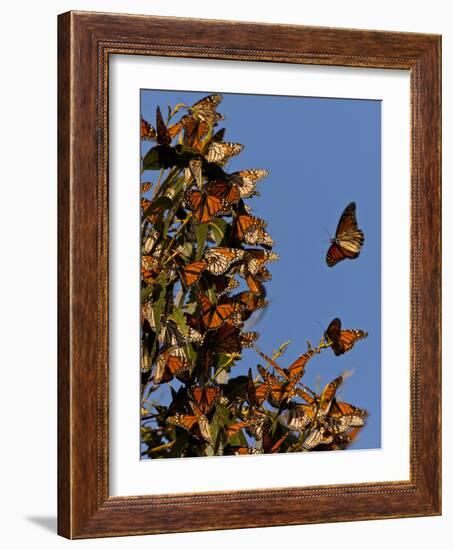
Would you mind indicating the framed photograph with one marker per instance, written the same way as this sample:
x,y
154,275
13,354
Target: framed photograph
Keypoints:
x,y
249,275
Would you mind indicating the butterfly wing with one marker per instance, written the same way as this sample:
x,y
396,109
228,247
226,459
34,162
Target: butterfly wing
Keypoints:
x,y
191,273
163,135
343,340
204,206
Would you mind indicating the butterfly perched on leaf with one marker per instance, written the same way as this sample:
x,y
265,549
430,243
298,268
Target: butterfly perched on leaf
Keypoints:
x,y
191,273
348,239
205,204
161,134
342,340
196,424
204,397
251,230
172,362
222,152
214,315
246,180
229,339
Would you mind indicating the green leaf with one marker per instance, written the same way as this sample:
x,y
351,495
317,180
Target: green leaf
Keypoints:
x,y
218,227
178,317
159,157
159,302
201,232
179,445
145,292
161,203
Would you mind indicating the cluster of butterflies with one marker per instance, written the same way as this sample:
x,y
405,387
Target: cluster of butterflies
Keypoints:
x,y
321,421
188,336
211,317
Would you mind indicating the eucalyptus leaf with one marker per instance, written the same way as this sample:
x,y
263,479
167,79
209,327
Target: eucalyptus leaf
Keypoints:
x,y
201,232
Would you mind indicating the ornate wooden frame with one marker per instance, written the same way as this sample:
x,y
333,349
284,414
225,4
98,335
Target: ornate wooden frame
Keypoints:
x,y
85,42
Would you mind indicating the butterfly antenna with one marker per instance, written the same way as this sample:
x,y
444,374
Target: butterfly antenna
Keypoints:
x,y
323,328
329,235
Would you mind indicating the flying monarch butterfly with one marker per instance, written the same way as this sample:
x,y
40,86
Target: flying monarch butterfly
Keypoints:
x,y
204,397
348,238
246,180
191,273
172,362
221,152
342,340
220,259
214,316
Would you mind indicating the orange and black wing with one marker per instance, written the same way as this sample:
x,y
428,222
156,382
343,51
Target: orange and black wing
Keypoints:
x,y
204,206
342,340
191,273
348,239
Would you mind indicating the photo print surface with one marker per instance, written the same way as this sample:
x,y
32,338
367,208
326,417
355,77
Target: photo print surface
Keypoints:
x,y
260,274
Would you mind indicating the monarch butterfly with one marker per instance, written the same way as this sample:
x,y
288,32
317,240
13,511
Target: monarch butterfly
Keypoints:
x,y
295,370
251,230
204,397
249,302
343,416
317,436
348,238
145,187
204,206
207,204
256,258
197,424
327,395
300,416
172,336
342,340
224,284
214,316
277,391
195,172
221,152
162,135
172,362
191,273
204,108
220,259
229,339
246,180
255,425
225,191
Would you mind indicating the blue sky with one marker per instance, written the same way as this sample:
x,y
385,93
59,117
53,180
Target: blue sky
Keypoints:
x,y
322,154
